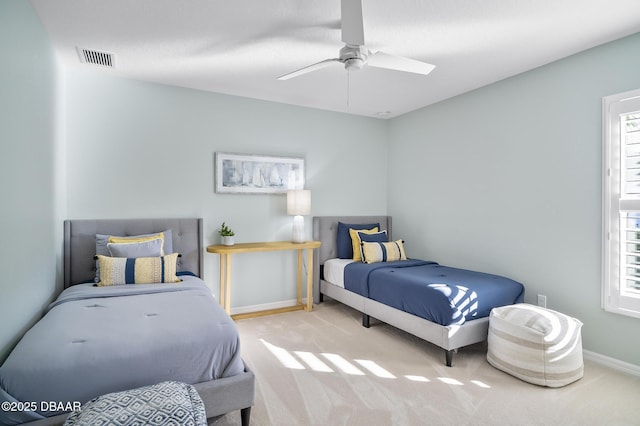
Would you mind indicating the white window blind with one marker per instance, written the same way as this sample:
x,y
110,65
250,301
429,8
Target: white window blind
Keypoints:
x,y
621,209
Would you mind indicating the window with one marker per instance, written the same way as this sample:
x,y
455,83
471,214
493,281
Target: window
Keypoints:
x,y
621,204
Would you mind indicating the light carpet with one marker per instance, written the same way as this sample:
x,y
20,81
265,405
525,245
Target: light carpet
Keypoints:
x,y
324,368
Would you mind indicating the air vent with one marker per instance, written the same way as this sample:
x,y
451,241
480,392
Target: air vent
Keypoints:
x,y
88,56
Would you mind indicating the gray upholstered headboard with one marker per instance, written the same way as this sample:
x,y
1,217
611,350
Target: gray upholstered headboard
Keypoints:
x,y
80,243
325,229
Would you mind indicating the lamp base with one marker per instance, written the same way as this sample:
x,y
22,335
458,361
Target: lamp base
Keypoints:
x,y
298,235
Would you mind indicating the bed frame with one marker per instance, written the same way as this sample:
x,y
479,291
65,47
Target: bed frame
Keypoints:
x,y
450,338
220,396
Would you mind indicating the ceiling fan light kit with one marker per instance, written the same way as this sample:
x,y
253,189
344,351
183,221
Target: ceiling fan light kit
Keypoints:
x,y
355,55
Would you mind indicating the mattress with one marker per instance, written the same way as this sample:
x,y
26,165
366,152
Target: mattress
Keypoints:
x,y
333,271
441,294
98,340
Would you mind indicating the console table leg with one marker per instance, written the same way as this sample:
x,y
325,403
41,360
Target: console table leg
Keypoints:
x,y
228,284
299,293
222,280
309,280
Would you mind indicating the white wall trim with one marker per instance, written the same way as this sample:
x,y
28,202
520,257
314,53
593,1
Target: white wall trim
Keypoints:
x,y
616,364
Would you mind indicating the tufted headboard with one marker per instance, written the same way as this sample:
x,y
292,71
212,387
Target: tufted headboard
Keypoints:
x,y
80,243
325,229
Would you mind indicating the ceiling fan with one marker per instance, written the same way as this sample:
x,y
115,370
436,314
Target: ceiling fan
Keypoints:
x,y
355,55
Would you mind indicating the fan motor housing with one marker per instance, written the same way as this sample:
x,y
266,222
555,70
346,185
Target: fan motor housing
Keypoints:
x,y
353,57
353,64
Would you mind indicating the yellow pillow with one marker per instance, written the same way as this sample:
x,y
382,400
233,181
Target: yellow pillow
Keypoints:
x,y
141,270
120,240
355,241
383,252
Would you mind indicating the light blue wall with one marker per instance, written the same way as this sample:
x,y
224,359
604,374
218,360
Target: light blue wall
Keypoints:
x,y
30,171
504,179
138,149
507,179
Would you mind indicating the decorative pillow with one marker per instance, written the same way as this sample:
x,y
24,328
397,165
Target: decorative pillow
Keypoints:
x,y
383,252
151,248
355,241
102,240
343,239
143,270
165,403
374,237
137,239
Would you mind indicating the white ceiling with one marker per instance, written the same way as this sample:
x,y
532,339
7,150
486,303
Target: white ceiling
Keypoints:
x,y
239,47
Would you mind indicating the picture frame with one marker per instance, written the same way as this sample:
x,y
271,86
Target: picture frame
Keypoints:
x,y
257,174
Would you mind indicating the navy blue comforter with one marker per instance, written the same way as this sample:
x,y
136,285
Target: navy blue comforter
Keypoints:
x,y
444,295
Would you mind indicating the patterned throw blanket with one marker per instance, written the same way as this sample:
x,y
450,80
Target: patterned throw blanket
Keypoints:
x,y
167,403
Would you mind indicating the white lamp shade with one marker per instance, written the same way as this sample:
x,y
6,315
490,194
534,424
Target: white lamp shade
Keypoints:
x,y
299,202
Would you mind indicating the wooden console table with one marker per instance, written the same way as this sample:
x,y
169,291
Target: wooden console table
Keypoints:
x,y
225,253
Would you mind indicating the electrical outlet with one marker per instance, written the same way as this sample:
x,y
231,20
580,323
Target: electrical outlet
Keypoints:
x,y
542,300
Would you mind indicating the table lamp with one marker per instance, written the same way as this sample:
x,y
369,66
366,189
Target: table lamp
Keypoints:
x,y
298,204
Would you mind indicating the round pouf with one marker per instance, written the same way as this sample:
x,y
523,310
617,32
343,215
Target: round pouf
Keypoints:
x,y
535,344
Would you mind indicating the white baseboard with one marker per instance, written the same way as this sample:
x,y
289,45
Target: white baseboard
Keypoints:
x,y
265,306
613,363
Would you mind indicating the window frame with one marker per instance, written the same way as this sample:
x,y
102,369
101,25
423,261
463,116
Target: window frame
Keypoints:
x,y
614,298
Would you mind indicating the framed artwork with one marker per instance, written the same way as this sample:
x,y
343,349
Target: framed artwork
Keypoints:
x,y
257,174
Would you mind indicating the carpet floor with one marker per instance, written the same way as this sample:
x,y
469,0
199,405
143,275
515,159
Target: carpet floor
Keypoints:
x,y
324,368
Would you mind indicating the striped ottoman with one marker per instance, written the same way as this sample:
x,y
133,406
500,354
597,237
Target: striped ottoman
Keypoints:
x,y
535,344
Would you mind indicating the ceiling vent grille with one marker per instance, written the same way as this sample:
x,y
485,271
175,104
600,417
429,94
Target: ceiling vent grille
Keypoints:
x,y
88,56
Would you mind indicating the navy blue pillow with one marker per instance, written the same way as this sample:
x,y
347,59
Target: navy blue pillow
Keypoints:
x,y
343,241
378,237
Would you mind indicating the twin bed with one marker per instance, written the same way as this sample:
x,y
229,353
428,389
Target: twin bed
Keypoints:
x,y
95,340
448,307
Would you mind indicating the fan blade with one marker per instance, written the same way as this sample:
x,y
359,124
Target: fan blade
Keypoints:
x,y
398,63
352,26
307,69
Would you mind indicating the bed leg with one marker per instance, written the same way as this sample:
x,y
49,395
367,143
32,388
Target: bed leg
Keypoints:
x,y
245,416
449,356
321,298
365,320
